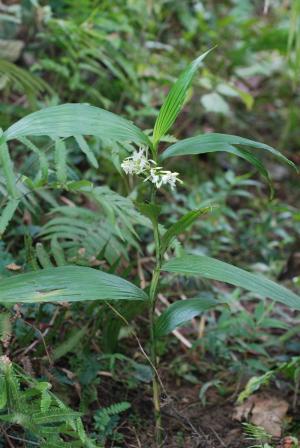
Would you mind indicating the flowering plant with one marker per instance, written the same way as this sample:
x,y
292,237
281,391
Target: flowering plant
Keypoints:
x,y
140,165
75,283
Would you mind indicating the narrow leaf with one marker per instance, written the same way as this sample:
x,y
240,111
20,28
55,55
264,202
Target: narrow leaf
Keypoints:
x,y
57,252
43,256
218,270
180,312
67,283
213,142
61,161
7,214
86,150
175,99
8,170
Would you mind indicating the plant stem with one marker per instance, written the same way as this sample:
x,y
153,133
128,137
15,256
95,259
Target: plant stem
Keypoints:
x,y
153,353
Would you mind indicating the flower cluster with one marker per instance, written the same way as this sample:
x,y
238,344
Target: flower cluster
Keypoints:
x,y
139,164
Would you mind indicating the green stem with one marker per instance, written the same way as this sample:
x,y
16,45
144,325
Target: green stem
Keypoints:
x,y
153,348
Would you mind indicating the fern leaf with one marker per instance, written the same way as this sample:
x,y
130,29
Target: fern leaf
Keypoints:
x,y
43,256
54,416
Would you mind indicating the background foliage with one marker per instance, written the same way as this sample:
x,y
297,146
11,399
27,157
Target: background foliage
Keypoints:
x,y
76,208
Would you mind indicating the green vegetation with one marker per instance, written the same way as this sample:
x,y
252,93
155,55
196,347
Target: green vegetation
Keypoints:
x,y
135,176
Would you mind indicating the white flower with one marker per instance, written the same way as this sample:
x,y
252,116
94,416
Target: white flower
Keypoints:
x,y
155,177
137,163
128,166
170,178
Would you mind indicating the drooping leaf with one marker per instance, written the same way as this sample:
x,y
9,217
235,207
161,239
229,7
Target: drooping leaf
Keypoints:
x,y
218,270
214,142
175,99
180,226
67,283
180,312
75,119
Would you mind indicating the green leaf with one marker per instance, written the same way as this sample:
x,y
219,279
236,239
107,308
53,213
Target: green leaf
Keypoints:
x,y
175,99
213,142
61,161
7,166
3,392
75,119
180,312
180,226
43,256
54,416
86,150
67,283
7,214
218,270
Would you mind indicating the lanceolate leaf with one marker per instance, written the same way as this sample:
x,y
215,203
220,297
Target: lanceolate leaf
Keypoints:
x,y
175,99
180,312
7,214
86,150
67,283
180,226
76,119
202,144
218,270
7,166
61,161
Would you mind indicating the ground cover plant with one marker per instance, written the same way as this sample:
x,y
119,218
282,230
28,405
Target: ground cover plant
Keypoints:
x,y
124,318
70,283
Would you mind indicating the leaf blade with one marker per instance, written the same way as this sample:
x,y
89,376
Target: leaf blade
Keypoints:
x,y
214,269
175,99
73,119
182,311
67,283
207,142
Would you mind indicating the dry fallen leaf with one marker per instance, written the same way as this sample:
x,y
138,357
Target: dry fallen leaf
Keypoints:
x,y
265,411
13,267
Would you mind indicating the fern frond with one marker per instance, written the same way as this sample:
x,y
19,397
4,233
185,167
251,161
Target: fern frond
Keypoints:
x,y
108,229
23,81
